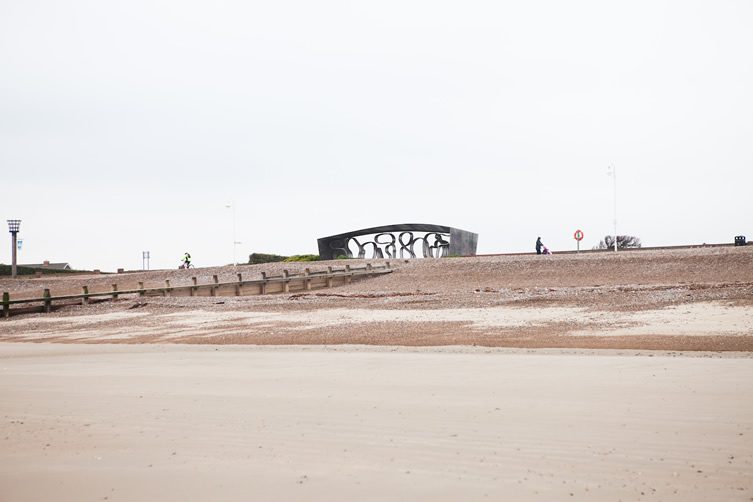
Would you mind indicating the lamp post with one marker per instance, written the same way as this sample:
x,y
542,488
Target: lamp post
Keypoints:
x,y
13,226
235,242
612,171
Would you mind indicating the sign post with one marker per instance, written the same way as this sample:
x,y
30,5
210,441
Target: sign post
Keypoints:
x,y
578,236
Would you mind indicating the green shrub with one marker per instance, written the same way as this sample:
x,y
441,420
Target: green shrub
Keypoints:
x,y
8,270
256,258
623,242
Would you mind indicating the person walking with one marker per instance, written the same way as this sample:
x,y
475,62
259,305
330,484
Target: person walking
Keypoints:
x,y
539,245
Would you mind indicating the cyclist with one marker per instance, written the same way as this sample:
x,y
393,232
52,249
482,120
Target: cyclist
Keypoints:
x,y
186,260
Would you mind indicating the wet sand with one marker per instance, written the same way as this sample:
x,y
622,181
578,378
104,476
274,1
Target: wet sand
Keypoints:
x,y
178,422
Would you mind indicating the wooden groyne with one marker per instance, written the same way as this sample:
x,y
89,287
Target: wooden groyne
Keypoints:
x,y
267,284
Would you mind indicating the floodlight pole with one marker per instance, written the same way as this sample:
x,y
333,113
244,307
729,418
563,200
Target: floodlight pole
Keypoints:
x,y
14,266
13,227
232,206
612,171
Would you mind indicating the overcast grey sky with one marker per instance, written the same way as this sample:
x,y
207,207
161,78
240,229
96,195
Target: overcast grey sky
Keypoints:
x,y
128,126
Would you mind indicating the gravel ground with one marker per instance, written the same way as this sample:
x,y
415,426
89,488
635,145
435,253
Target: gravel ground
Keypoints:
x,y
590,285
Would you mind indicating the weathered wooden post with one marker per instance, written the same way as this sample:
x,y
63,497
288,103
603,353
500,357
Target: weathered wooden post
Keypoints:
x,y
239,286
216,281
47,300
307,280
85,298
6,304
387,264
114,291
349,277
192,291
369,267
263,289
329,277
168,289
285,283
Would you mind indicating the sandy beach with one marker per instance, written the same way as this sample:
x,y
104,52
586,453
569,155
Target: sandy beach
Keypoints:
x,y
176,422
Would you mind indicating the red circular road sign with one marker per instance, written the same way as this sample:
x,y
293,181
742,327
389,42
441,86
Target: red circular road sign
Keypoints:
x,y
578,235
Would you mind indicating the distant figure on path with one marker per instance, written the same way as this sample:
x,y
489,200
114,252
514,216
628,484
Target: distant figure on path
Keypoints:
x,y
539,245
186,260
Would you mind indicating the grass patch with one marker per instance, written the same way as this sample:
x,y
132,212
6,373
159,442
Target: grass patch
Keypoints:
x,y
302,257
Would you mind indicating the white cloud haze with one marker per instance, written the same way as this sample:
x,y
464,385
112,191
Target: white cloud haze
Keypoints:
x,y
128,126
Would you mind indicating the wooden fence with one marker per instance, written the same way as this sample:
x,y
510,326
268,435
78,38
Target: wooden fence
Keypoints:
x,y
268,284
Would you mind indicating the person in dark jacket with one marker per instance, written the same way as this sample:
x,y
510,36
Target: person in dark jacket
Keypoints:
x,y
539,245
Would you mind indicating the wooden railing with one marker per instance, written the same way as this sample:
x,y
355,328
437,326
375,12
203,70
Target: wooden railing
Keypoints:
x,y
268,284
